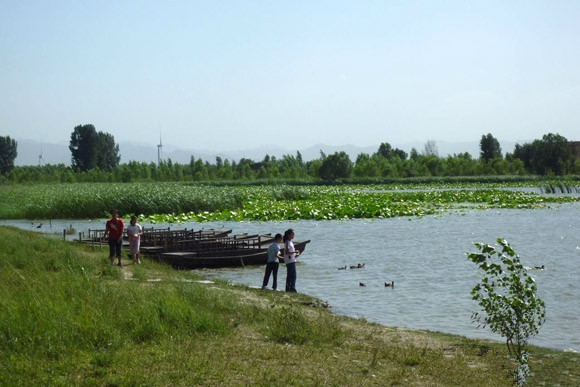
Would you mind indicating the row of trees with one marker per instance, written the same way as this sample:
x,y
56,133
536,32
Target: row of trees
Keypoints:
x,y
89,150
95,158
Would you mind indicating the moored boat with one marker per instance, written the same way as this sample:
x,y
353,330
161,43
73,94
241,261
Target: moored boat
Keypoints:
x,y
191,249
222,258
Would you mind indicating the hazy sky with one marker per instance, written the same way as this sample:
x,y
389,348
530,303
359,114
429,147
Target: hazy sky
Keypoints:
x,y
226,75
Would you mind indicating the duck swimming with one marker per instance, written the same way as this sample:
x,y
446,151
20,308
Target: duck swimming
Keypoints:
x,y
534,267
362,284
390,284
342,268
359,266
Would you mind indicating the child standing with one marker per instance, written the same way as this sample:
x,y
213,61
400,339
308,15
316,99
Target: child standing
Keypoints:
x,y
134,231
290,255
272,265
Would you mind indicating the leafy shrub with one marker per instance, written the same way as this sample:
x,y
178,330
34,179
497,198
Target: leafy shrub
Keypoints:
x,y
508,297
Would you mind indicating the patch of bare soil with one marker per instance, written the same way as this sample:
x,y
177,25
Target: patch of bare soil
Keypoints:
x,y
127,272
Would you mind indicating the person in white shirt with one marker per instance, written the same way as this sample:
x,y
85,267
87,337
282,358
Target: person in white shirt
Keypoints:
x,y
290,255
134,231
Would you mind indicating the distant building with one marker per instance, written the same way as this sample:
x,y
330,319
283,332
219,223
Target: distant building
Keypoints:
x,y
575,148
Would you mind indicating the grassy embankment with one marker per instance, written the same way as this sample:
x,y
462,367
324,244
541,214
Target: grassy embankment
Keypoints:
x,y
69,317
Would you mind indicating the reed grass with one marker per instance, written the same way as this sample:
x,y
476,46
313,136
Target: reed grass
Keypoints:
x,y
175,202
70,318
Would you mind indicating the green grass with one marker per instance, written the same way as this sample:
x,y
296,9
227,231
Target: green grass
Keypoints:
x,y
70,318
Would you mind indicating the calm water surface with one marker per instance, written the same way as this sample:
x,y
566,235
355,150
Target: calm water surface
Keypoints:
x,y
426,259
433,278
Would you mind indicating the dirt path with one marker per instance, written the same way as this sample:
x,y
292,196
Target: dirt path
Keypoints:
x,y
127,270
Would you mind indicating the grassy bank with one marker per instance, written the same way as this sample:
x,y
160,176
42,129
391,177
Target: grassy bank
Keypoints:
x,y
69,317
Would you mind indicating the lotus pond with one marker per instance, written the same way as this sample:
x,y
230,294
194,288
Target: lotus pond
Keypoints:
x,y
181,202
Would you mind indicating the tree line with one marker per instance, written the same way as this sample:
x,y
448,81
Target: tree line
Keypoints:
x,y
95,158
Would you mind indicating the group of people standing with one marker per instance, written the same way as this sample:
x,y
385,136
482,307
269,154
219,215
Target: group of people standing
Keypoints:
x,y
114,230
289,258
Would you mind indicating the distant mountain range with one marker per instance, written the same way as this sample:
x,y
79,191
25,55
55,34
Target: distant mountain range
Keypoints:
x,y
32,152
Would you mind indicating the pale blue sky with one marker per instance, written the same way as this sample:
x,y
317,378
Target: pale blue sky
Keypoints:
x,y
227,75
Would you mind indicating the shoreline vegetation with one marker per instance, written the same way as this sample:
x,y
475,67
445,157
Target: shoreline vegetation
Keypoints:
x,y
70,317
175,202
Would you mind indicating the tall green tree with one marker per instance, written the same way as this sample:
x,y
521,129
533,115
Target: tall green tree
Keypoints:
x,y
387,151
91,149
400,153
552,154
549,155
84,147
414,154
108,155
299,159
365,166
384,150
335,166
489,148
8,153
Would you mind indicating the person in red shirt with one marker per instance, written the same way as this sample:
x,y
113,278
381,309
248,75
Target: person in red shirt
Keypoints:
x,y
114,230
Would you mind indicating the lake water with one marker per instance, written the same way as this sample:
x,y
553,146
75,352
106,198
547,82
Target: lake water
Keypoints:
x,y
425,257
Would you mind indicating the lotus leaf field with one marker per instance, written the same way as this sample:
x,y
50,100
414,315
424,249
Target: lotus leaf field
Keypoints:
x,y
178,202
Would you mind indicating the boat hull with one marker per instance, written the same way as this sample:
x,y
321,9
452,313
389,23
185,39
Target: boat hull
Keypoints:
x,y
233,258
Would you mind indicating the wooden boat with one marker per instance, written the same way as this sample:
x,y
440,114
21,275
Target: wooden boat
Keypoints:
x,y
172,240
241,256
160,239
190,249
